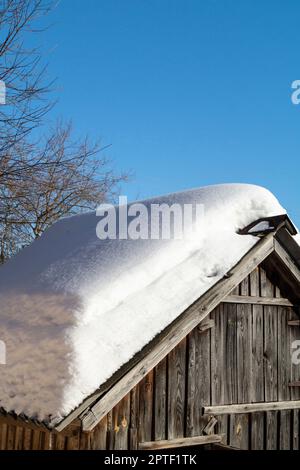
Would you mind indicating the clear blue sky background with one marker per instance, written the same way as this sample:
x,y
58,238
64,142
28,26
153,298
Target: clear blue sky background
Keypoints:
x,y
187,92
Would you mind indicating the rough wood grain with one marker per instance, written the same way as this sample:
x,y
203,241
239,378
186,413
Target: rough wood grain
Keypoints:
x,y
99,439
257,378
209,428
270,358
134,418
251,407
237,299
160,400
218,366
239,425
146,408
244,352
176,391
181,442
121,417
239,431
198,380
294,322
284,373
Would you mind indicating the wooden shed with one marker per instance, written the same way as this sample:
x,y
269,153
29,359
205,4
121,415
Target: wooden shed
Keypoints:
x,y
222,373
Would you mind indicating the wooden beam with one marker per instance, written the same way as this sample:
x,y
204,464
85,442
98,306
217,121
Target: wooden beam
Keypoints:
x,y
287,260
77,412
245,299
295,384
294,323
251,407
182,442
178,330
210,426
206,325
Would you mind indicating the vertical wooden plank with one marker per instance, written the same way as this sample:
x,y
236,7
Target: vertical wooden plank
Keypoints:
x,y
110,431
160,400
121,419
99,438
176,390
244,353
52,440
271,430
35,445
19,438
84,441
257,382
61,441
267,289
47,441
73,441
294,335
285,429
218,353
88,441
134,413
236,291
295,427
42,440
277,293
284,371
240,424
239,431
245,286
191,409
236,430
270,356
202,376
146,408
27,438
270,352
238,435
10,437
257,379
3,436
198,381
230,358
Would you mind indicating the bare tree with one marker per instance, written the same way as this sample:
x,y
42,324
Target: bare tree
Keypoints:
x,y
40,180
22,71
72,176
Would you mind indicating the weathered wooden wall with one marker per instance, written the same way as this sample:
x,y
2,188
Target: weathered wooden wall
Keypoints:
x,y
17,434
245,357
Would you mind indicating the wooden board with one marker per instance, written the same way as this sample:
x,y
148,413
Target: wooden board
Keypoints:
x,y
176,391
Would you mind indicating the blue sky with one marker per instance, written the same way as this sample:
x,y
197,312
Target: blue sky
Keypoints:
x,y
187,92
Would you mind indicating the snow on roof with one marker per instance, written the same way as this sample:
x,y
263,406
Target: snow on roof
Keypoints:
x,y
75,308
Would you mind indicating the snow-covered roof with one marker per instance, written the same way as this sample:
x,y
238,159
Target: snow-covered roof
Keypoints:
x,y
74,308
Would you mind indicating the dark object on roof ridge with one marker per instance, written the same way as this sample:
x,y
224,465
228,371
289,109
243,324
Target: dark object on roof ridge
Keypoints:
x,y
275,223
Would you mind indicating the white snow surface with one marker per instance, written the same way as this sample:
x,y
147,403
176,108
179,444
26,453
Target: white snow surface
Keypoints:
x,y
74,308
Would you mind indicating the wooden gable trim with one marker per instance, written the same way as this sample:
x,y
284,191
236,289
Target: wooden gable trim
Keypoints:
x,y
160,346
287,260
